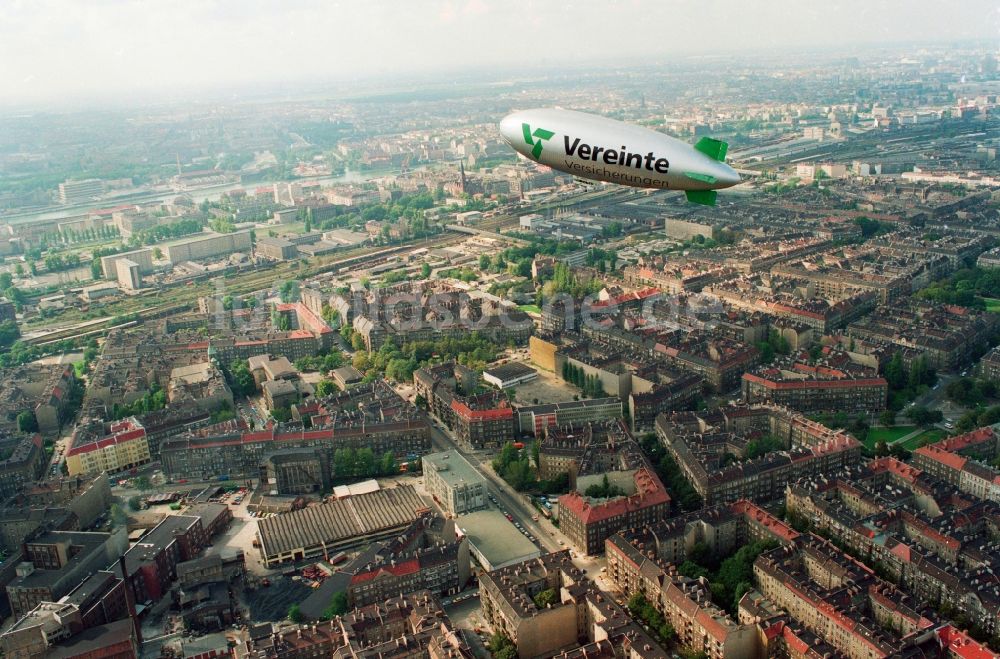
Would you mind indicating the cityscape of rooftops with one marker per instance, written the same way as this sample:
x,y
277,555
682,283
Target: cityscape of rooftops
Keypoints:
x,y
353,330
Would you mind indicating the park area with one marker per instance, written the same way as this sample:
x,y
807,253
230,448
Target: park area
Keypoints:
x,y
992,304
915,436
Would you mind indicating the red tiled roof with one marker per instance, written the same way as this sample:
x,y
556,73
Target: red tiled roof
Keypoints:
x,y
960,645
927,530
626,297
711,625
764,518
651,492
962,442
306,316
505,412
816,384
777,306
901,550
399,569
109,211
794,641
907,472
946,458
122,432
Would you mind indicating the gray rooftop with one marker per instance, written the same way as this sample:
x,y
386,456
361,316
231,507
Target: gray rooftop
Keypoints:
x,y
508,371
338,521
496,538
452,468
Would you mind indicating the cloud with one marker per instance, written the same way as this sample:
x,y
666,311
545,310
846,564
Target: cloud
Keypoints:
x,y
77,48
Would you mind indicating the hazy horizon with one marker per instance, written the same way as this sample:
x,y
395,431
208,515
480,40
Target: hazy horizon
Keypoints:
x,y
54,52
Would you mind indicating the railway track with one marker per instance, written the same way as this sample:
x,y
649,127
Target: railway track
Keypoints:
x,y
184,295
184,299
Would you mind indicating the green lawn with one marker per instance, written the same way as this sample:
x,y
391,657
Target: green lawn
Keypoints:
x,y
533,308
992,304
887,435
926,437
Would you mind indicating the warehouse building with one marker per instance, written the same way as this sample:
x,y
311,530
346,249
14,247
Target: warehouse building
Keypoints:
x,y
276,249
338,525
509,375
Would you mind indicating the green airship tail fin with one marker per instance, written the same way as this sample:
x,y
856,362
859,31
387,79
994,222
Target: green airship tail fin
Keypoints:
x,y
703,197
715,149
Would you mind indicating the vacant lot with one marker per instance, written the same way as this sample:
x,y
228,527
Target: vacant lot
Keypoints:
x,y
544,389
272,603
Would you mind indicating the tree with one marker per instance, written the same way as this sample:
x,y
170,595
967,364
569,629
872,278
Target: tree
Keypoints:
x,y
692,569
514,468
344,460
604,490
295,615
923,416
357,342
224,414
326,388
425,270
387,465
241,379
519,474
339,605
501,647
6,280
763,445
289,291
26,422
8,333
134,503
365,462
766,352
546,597
887,418
15,295
894,373
736,571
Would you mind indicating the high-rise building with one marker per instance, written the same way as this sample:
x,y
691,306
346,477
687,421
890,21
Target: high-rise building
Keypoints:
x,y
208,246
141,257
73,191
128,274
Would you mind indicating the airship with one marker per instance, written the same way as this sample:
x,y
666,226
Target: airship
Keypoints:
x,y
602,149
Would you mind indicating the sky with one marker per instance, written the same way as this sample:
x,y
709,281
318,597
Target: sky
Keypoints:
x,y
58,50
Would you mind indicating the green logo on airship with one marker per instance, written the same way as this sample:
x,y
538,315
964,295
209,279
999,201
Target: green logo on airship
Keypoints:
x,y
542,135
